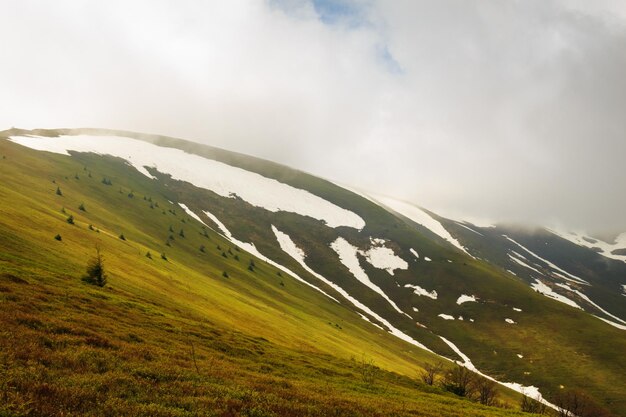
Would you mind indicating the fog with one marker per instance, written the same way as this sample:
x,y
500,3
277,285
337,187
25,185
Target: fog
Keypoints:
x,y
508,111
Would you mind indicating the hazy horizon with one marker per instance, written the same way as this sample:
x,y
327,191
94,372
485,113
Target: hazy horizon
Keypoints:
x,y
497,111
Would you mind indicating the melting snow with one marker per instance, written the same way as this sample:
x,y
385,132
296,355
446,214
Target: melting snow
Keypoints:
x,y
416,310
517,309
606,248
421,217
510,321
542,288
427,259
223,179
574,278
421,291
348,257
520,356
465,299
624,290
445,316
191,213
382,257
469,228
289,247
250,248
418,256
369,321
531,391
619,326
522,263
587,299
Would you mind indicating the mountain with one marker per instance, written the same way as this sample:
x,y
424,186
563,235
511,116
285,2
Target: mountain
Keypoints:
x,y
269,291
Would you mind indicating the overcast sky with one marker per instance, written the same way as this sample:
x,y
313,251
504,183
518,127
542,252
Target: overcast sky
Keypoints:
x,y
502,110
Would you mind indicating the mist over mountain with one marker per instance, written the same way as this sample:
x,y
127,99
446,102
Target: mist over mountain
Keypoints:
x,y
495,111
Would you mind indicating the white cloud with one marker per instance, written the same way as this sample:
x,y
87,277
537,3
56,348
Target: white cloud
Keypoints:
x,y
471,109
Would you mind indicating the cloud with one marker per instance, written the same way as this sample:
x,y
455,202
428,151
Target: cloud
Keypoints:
x,y
500,110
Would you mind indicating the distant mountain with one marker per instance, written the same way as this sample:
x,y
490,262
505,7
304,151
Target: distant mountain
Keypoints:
x,y
309,265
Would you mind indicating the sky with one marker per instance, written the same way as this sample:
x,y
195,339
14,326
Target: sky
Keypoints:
x,y
494,110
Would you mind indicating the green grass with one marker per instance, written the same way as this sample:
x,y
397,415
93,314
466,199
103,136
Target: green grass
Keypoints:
x,y
170,338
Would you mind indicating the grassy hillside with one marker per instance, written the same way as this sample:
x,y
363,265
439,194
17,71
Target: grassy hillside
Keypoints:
x,y
172,337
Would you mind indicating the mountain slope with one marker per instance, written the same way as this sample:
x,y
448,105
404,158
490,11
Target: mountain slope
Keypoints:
x,y
370,267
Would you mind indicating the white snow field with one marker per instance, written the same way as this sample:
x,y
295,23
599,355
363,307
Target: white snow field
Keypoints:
x,y
606,248
572,277
419,216
529,391
191,213
382,257
466,299
421,291
445,316
250,248
222,179
348,257
289,247
542,288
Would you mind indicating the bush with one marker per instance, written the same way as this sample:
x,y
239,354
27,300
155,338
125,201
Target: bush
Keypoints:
x,y
430,372
225,274
82,207
148,255
163,257
122,236
70,219
459,381
95,270
58,237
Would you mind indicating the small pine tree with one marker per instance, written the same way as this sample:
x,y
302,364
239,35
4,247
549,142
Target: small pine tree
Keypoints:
x,y
202,248
90,227
237,258
95,270
58,237
148,255
122,236
225,274
59,191
89,174
224,255
70,219
171,229
63,210
76,176
163,257
82,207
181,233
250,268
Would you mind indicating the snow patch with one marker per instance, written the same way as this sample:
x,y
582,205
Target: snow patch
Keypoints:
x,y
522,263
469,228
465,299
445,316
510,321
606,248
427,259
573,277
520,355
222,179
517,309
382,257
415,309
619,326
289,247
348,257
587,299
421,291
419,216
542,288
418,256
529,391
191,213
250,248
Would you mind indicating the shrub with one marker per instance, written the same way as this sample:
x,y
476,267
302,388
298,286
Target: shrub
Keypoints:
x,y
59,191
95,270
148,255
163,257
122,236
58,237
430,372
82,207
70,219
225,274
459,381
